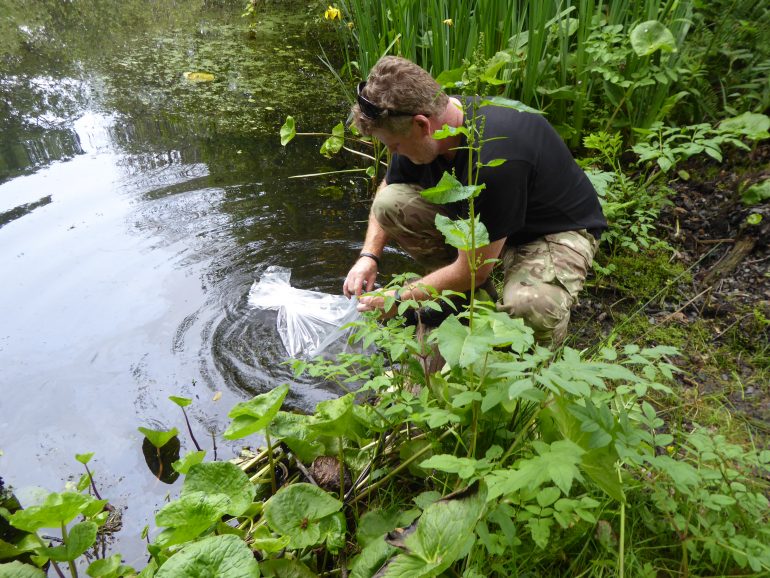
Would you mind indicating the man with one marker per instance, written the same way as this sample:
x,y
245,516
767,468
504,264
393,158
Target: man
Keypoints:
x,y
542,214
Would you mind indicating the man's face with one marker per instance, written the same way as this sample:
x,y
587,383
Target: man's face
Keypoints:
x,y
416,145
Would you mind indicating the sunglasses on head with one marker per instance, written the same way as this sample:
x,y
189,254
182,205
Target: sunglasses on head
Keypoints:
x,y
371,110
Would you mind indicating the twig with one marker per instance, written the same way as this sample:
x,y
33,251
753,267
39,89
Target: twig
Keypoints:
x,y
301,467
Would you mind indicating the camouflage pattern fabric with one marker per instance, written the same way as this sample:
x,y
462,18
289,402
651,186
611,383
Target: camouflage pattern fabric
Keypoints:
x,y
542,279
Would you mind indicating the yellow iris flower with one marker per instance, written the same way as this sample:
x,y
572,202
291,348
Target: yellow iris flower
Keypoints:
x,y
448,21
332,13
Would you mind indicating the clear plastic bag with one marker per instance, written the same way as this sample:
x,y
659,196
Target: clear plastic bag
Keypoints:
x,y
309,322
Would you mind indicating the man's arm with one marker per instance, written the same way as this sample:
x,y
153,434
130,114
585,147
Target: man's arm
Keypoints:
x,y
455,276
362,275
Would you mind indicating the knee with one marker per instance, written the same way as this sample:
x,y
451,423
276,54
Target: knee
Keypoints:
x,y
544,307
388,205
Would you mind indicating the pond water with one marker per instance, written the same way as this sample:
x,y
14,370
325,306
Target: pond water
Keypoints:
x,y
136,210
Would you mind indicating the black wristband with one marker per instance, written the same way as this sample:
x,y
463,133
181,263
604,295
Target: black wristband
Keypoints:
x,y
372,256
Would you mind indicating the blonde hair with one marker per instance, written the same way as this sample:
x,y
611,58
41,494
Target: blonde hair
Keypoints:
x,y
397,84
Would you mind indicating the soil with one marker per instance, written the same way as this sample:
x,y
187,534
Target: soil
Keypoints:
x,y
718,318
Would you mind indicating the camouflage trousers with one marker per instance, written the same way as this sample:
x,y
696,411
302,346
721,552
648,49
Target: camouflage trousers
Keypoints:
x,y
542,278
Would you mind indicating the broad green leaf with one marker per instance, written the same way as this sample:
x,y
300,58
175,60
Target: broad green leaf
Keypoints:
x,y
371,558
749,124
18,570
288,131
458,346
451,78
447,131
263,539
449,190
458,233
84,458
757,193
180,401
508,103
332,145
334,417
194,511
221,556
374,524
192,458
254,415
296,511
80,538
159,438
651,36
221,479
109,568
57,509
464,467
285,568
443,534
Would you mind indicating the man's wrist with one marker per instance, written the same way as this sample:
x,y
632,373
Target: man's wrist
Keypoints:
x,y
371,256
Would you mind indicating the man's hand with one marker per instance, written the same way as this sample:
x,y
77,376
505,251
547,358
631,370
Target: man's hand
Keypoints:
x,y
377,303
360,277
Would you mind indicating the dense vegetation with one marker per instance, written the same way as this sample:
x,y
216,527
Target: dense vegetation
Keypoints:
x,y
510,459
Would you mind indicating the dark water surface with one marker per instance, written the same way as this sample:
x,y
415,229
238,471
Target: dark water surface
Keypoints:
x,y
136,209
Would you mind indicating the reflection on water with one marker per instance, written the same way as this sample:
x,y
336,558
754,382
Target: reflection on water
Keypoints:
x,y
133,221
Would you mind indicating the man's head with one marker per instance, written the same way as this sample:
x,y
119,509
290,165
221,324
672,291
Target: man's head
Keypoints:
x,y
396,91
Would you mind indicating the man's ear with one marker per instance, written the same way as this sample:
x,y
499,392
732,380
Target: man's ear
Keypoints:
x,y
424,123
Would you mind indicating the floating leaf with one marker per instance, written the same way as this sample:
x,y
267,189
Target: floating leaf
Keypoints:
x,y
449,190
221,556
297,511
651,36
254,415
180,401
288,131
159,438
198,76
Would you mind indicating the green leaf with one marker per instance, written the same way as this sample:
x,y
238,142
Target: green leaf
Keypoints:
x,y
57,509
334,417
254,415
508,103
159,438
458,233
371,558
449,190
757,193
332,145
180,401
749,124
188,516
558,463
297,510
374,524
288,131
84,458
192,458
18,570
458,346
80,538
651,36
221,556
443,534
263,539
285,568
221,479
109,568
465,468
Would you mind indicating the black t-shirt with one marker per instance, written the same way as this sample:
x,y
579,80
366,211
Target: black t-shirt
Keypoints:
x,y
538,190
